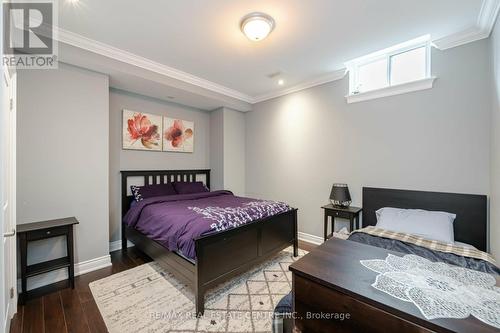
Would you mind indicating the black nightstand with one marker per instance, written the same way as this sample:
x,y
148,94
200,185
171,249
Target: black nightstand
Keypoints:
x,y
351,213
42,230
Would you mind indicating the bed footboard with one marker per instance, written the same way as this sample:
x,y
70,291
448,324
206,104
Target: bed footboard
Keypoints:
x,y
220,256
225,255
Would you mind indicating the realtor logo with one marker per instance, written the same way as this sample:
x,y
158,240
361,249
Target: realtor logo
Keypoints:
x,y
28,34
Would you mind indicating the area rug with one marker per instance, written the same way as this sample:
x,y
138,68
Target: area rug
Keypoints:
x,y
147,298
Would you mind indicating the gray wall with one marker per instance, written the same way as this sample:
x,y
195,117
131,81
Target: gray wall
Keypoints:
x,y
438,139
62,156
495,144
217,149
234,151
120,159
227,150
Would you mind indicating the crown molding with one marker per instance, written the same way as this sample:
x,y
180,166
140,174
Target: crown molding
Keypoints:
x,y
79,41
333,76
109,51
460,38
488,15
482,29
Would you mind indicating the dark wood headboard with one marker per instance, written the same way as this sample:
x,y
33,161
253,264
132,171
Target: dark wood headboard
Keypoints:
x,y
470,225
152,177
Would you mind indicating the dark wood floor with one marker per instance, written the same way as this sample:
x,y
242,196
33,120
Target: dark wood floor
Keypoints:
x,y
74,310
306,246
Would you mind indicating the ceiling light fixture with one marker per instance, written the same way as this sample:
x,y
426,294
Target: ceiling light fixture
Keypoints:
x,y
257,26
281,82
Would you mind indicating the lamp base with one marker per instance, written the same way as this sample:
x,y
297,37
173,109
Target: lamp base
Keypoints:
x,y
343,204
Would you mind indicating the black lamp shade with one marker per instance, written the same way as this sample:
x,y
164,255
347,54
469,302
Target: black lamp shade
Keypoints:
x,y
340,195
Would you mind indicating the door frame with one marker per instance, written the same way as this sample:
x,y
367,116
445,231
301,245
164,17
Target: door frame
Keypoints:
x,y
10,266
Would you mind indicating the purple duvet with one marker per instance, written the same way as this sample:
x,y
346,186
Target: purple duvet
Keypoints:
x,y
176,220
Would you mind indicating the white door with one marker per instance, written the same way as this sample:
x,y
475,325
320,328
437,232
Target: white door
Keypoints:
x,y
8,292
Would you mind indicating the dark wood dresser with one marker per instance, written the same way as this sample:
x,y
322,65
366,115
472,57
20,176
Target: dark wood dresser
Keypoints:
x,y
333,293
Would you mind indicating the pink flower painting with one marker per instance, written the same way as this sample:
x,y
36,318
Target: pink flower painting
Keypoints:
x,y
178,135
141,131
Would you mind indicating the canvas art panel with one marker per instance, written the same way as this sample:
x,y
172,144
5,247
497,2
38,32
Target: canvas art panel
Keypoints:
x,y
178,135
142,131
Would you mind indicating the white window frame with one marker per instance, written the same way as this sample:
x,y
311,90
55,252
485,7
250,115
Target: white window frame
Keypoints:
x,y
389,90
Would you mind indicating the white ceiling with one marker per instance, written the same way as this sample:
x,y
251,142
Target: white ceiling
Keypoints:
x,y
311,38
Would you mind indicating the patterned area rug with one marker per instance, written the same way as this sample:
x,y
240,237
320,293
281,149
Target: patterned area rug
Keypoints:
x,y
149,299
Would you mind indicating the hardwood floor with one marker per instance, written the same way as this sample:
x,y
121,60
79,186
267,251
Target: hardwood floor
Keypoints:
x,y
74,310
306,246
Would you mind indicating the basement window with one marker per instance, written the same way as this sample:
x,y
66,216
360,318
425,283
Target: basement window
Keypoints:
x,y
399,69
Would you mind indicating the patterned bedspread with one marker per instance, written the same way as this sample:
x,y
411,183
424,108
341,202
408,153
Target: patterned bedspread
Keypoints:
x,y
467,257
408,244
176,220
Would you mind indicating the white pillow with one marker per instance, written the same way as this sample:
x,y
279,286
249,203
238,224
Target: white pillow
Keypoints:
x,y
428,224
465,245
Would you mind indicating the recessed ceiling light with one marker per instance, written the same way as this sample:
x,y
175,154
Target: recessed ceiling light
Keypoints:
x,y
73,1
257,26
281,82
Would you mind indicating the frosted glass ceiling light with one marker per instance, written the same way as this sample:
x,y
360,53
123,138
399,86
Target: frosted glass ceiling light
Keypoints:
x,y
257,26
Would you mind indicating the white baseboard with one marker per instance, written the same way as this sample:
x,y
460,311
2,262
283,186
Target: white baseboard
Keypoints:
x,y
117,245
92,265
310,238
62,274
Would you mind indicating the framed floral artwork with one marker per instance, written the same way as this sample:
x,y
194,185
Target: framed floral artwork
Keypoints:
x,y
178,135
141,131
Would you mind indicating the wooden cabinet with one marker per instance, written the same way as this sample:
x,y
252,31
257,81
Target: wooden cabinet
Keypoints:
x,y
43,230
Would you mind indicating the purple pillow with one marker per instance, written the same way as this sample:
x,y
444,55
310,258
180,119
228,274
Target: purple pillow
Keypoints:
x,y
143,192
190,187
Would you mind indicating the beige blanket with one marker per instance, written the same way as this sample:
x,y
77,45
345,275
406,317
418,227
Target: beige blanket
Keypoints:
x,y
470,252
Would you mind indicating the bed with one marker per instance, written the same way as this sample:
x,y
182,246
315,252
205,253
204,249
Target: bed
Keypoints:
x,y
215,256
334,272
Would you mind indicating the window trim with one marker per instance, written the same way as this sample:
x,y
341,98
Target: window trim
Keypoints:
x,y
396,89
354,65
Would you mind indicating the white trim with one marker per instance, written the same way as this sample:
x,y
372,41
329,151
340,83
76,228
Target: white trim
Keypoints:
x,y
9,207
392,90
310,238
117,245
12,280
62,274
488,15
92,265
485,22
109,51
76,40
8,318
482,29
333,76
460,38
